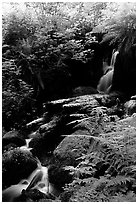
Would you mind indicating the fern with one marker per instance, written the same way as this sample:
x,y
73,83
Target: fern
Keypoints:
x,y
120,26
119,180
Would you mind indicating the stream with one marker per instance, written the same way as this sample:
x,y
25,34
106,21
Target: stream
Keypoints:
x,y
38,179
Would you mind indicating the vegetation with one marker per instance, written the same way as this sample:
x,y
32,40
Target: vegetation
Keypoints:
x,y
50,48
105,175
17,97
38,37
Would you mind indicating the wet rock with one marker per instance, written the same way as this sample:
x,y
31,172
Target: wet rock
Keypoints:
x,y
33,195
72,105
16,165
48,135
93,122
109,100
9,147
88,113
14,137
81,104
124,77
133,97
35,124
58,176
130,107
84,90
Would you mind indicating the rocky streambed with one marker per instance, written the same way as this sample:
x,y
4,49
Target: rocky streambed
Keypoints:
x,y
88,145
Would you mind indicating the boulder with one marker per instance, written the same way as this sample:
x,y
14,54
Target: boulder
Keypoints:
x,y
14,137
114,133
48,135
84,90
16,165
34,125
58,176
130,107
124,77
96,162
33,195
73,147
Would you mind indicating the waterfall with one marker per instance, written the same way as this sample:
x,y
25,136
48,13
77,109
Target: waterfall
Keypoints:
x,y
113,58
105,82
38,179
26,146
13,192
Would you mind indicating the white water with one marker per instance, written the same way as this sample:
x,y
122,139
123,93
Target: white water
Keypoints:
x,y
38,179
26,147
14,191
105,82
113,59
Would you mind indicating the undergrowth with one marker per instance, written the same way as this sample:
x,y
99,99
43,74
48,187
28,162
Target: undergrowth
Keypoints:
x,y
105,175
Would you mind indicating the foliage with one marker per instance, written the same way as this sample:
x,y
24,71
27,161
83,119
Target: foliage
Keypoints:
x,y
47,35
42,31
120,23
17,97
103,175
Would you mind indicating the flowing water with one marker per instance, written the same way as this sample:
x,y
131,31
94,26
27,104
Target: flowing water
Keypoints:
x,y
113,59
38,179
26,147
105,82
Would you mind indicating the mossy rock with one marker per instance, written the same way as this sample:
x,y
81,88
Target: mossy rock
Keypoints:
x,y
14,137
16,165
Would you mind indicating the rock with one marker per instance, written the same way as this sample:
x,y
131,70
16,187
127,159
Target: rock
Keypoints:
x,y
48,135
130,107
80,143
128,122
81,104
48,127
83,90
5,48
124,77
9,147
84,104
112,153
3,131
109,100
58,176
74,146
71,105
133,97
88,113
35,124
33,195
16,165
14,137
93,122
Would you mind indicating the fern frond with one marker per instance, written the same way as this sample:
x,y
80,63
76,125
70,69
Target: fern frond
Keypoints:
x,y
119,180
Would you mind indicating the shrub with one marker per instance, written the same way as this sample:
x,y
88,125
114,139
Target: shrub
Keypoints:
x,y
17,105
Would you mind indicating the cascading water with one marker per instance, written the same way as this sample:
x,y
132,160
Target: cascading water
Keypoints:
x,y
113,58
105,82
26,147
37,180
